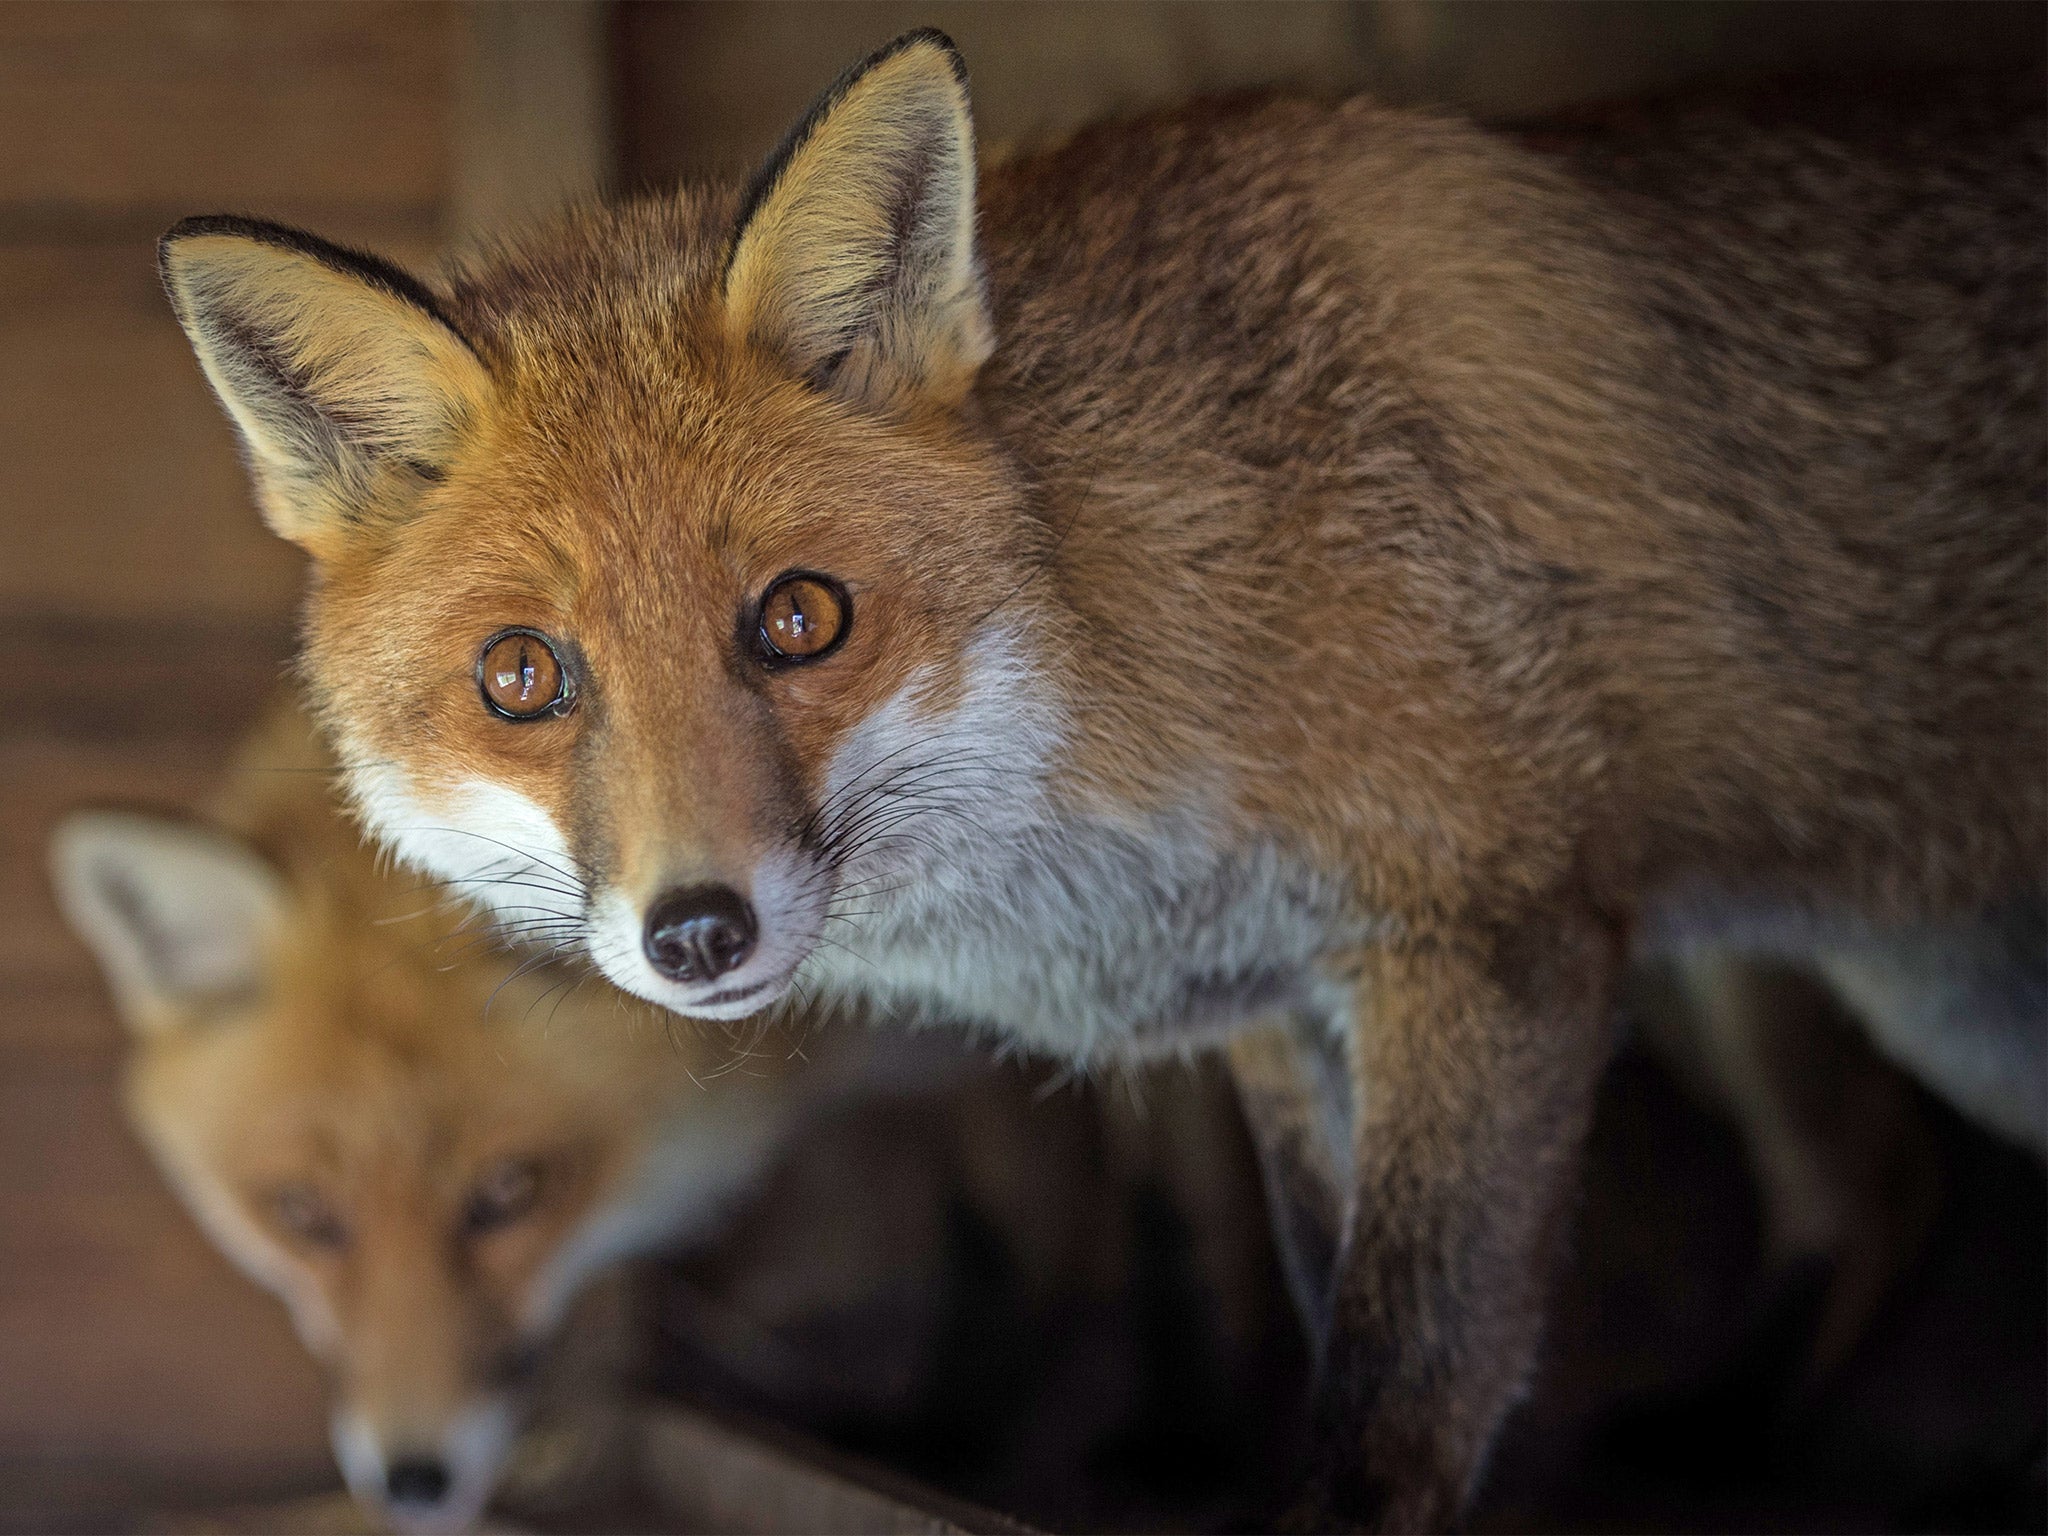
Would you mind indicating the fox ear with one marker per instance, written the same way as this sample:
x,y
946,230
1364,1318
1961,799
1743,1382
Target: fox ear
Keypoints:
x,y
854,254
180,917
347,384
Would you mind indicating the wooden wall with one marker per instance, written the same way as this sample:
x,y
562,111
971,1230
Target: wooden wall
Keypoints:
x,y
709,86
147,613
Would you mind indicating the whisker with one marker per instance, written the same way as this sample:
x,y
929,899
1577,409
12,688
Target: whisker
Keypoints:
x,y
575,877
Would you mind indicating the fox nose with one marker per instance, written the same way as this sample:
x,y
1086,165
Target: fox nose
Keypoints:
x,y
700,933
416,1480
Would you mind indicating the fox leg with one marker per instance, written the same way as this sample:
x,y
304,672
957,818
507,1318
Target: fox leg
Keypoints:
x,y
1474,1059
1296,1092
1964,1007
1844,1158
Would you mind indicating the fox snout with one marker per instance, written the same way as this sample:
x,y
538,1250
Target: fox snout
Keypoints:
x,y
417,1481
713,943
699,934
425,1480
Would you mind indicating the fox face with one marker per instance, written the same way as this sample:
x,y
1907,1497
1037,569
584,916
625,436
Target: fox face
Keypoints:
x,y
729,680
738,648
368,1126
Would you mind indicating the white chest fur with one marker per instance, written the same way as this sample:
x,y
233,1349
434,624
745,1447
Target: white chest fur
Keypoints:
x,y
1077,932
1084,941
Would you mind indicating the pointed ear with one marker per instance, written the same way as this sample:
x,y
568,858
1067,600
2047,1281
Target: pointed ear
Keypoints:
x,y
855,255
180,917
348,385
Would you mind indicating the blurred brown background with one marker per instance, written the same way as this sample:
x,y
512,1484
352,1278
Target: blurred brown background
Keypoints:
x,y
149,613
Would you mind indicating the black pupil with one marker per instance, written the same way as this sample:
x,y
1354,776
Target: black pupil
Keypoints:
x,y
525,677
797,622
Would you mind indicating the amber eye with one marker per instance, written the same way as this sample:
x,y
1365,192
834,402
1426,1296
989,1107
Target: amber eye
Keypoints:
x,y
502,1196
803,616
305,1216
521,676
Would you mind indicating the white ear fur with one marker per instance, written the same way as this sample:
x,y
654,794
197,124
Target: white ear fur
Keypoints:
x,y
855,253
338,369
180,917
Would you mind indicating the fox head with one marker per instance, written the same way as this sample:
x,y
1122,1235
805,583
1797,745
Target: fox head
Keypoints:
x,y
424,1184
663,572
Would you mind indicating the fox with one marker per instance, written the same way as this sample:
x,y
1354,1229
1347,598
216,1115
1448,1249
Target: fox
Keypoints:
x,y
1317,581
392,1129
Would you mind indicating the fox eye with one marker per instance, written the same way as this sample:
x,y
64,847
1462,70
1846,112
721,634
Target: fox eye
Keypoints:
x,y
521,677
803,616
505,1194
305,1215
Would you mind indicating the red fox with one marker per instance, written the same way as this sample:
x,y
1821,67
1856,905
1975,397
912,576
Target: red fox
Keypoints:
x,y
404,1139
1326,581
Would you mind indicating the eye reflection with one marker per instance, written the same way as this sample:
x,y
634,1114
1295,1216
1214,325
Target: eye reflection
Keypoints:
x,y
521,677
803,616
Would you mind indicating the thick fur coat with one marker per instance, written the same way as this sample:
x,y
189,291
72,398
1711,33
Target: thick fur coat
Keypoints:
x,y
1325,578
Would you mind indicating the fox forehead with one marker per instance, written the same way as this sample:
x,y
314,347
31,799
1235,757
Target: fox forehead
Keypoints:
x,y
623,406
388,1033
267,1099
626,284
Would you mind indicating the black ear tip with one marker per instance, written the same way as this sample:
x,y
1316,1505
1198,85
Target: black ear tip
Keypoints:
x,y
236,224
362,265
228,224
931,37
764,179
184,229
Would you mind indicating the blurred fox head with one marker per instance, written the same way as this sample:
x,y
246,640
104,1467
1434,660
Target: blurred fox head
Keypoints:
x,y
424,1172
663,574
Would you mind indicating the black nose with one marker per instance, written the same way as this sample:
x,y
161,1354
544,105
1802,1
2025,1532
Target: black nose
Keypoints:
x,y
416,1480
699,934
